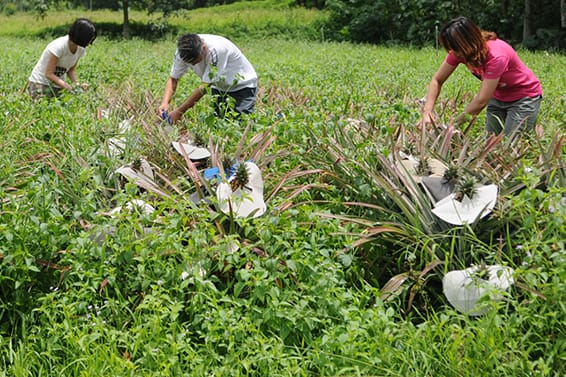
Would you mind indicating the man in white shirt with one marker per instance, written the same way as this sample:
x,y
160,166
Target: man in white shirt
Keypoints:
x,y
220,65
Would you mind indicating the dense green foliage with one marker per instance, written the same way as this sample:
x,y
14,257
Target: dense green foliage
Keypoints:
x,y
413,22
83,293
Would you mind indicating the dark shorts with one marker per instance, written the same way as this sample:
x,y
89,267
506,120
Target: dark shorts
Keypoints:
x,y
244,100
510,117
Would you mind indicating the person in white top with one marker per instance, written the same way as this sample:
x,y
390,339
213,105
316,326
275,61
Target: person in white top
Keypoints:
x,y
220,65
60,57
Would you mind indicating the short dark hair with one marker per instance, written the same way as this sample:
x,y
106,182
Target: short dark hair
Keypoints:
x,y
82,32
189,47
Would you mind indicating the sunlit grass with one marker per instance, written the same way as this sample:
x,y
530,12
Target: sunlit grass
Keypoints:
x,y
245,16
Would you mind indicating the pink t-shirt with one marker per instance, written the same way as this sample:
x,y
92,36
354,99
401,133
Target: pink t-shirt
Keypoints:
x,y
516,80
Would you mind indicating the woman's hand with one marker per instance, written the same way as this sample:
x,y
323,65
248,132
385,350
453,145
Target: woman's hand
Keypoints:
x,y
79,87
464,118
427,119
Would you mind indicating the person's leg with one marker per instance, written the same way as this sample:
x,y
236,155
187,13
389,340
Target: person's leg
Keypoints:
x,y
496,115
245,100
522,115
36,90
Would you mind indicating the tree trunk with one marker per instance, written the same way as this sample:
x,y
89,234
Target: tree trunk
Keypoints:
x,y
527,21
563,13
126,26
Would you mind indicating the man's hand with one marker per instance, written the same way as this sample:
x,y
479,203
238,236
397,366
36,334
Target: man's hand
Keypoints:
x,y
175,115
164,107
165,116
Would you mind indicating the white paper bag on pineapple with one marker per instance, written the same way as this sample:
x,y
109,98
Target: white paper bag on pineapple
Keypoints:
x,y
465,288
466,210
244,197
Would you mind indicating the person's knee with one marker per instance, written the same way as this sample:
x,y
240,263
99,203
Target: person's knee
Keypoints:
x,y
494,123
525,115
519,123
246,105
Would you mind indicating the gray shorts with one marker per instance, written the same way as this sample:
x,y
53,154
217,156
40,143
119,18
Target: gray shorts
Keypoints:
x,y
36,90
511,117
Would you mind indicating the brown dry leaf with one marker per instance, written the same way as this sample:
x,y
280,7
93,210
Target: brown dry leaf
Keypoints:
x,y
103,285
394,285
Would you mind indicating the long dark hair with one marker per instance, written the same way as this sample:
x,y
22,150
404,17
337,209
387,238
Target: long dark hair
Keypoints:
x,y
82,32
466,39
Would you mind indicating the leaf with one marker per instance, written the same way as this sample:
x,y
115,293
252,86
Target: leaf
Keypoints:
x,y
345,259
103,285
393,286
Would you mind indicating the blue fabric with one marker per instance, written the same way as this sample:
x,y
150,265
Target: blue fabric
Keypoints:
x,y
212,173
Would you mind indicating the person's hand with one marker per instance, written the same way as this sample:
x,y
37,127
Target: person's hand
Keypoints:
x,y
77,88
175,115
465,118
427,119
165,116
164,107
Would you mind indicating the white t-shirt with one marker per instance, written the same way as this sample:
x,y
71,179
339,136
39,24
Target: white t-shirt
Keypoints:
x,y
66,59
225,66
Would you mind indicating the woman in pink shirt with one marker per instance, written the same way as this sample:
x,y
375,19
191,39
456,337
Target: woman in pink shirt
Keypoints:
x,y
509,89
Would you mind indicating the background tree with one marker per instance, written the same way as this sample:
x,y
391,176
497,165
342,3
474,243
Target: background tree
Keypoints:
x,y
534,23
151,6
527,33
311,3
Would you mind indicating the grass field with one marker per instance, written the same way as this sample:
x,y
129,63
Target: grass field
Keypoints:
x,y
191,291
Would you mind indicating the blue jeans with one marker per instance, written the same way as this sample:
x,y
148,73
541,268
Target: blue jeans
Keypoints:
x,y
510,117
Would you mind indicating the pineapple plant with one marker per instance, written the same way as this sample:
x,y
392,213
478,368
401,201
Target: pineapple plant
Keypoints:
x,y
467,187
423,168
241,178
451,175
200,140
